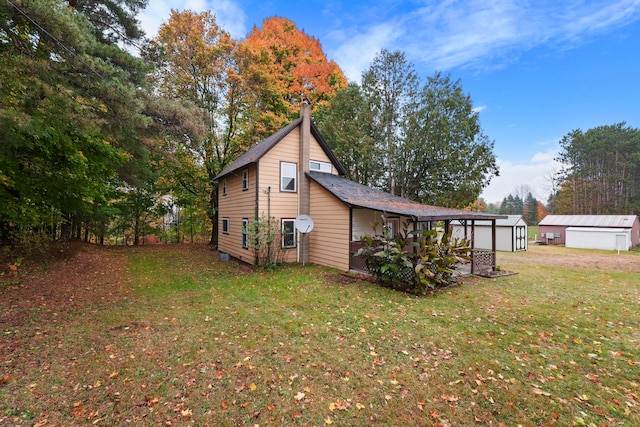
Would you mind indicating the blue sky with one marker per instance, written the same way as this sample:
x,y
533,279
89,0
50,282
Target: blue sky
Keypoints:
x,y
535,70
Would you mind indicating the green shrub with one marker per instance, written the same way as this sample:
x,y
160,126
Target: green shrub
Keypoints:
x,y
417,262
265,236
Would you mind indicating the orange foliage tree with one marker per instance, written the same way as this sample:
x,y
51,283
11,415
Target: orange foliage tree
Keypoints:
x,y
542,210
197,68
282,67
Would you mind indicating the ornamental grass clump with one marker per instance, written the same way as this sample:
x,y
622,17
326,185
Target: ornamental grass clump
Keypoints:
x,y
416,262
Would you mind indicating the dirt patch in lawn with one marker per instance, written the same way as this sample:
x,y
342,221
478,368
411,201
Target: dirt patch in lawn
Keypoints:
x,y
628,262
69,278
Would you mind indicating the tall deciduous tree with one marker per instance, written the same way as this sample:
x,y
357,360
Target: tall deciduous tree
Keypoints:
x,y
426,140
198,65
601,171
348,126
390,86
283,67
445,157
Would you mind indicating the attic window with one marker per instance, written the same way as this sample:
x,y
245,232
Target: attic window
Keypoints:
x,y
325,167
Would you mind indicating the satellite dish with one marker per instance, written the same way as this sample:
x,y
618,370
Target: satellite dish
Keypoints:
x,y
304,224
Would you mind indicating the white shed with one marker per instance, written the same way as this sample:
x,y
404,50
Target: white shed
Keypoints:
x,y
598,238
511,233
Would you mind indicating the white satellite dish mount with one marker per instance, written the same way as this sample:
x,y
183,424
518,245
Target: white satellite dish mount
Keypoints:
x,y
304,224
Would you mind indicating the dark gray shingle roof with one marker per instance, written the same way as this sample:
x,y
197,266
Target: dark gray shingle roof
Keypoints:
x,y
358,195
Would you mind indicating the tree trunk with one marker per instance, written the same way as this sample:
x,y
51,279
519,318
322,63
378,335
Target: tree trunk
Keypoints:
x,y
65,227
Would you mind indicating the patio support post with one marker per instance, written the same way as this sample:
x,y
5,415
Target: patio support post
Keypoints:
x,y
493,243
473,246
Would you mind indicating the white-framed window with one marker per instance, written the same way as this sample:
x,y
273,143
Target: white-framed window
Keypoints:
x,y
225,225
245,179
288,174
245,233
288,233
325,167
224,187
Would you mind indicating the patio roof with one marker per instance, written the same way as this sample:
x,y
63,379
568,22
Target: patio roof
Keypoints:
x,y
362,196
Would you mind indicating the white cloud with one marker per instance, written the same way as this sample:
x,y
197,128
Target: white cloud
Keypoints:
x,y
228,14
356,51
545,156
536,174
480,34
479,108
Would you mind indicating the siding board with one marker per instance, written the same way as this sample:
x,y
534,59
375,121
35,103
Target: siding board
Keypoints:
x,y
235,205
329,240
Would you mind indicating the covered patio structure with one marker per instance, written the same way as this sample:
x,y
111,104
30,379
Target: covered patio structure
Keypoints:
x,y
368,208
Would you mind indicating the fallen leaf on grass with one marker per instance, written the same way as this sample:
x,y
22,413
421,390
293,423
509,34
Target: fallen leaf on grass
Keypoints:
x,y
340,405
595,378
41,423
449,398
299,396
541,392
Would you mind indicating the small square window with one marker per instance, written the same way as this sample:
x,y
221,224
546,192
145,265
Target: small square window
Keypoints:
x,y
288,173
245,179
225,225
288,233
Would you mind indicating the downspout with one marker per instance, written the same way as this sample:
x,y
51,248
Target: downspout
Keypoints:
x,y
269,221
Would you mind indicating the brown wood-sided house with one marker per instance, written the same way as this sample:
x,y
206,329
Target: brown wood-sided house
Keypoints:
x,y
294,172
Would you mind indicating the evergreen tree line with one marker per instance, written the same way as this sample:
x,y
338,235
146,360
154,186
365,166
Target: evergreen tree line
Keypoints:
x,y
527,207
600,172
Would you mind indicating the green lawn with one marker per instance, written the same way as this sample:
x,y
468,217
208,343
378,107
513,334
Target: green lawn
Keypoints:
x,y
198,341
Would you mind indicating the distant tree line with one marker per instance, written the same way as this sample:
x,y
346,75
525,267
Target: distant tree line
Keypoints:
x,y
600,172
520,202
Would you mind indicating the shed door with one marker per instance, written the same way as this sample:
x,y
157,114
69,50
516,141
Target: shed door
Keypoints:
x,y
621,242
521,238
